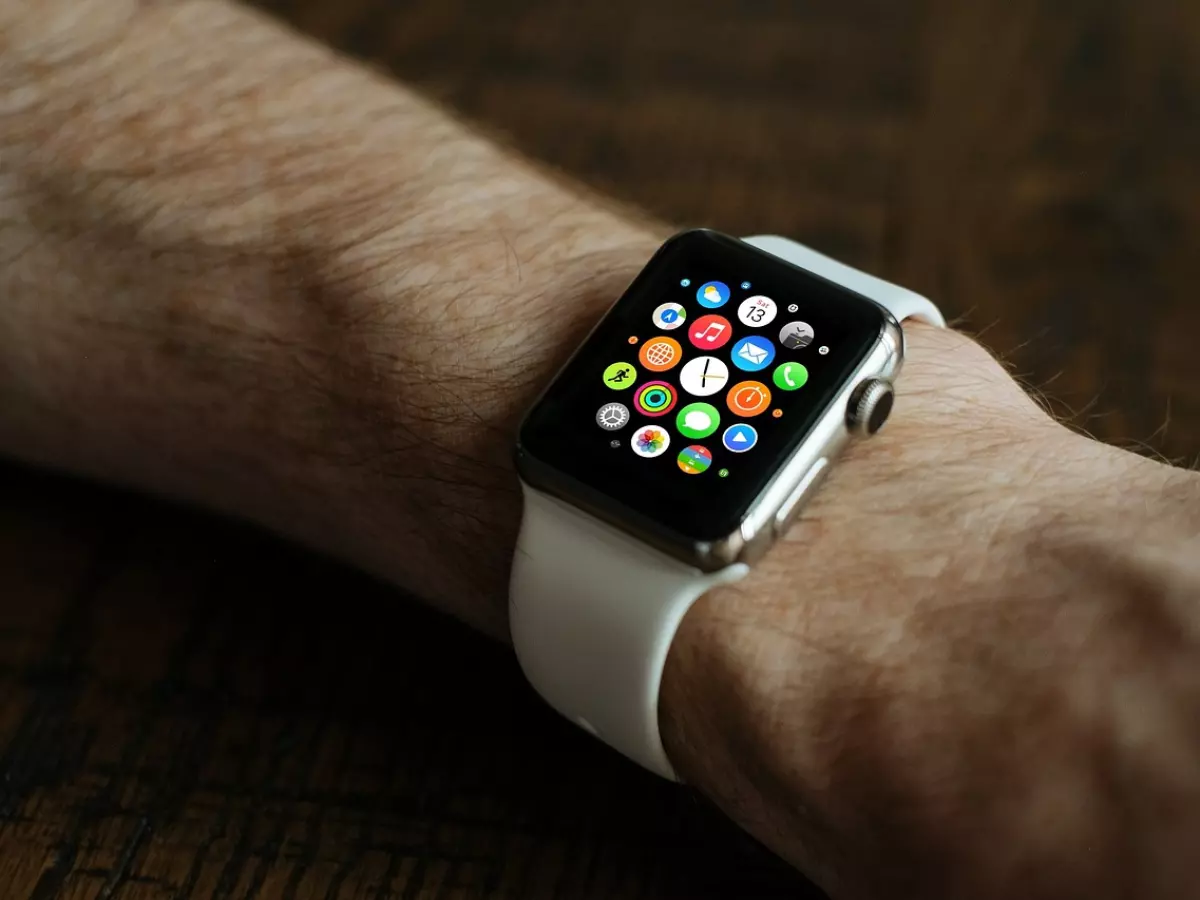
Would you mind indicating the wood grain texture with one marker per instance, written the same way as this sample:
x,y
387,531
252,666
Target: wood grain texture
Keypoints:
x,y
191,710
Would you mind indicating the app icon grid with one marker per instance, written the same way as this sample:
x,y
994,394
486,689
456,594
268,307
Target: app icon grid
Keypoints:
x,y
707,333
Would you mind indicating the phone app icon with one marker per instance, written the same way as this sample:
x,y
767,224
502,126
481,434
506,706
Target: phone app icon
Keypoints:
x,y
669,316
612,416
697,420
790,376
748,398
753,354
712,294
795,335
710,332
757,311
655,398
740,437
660,353
694,459
650,441
704,375
620,375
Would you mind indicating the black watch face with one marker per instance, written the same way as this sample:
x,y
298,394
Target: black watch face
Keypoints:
x,y
699,384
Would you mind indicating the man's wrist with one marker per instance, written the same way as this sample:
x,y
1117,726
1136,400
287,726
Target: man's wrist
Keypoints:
x,y
954,604
323,302
495,341
748,706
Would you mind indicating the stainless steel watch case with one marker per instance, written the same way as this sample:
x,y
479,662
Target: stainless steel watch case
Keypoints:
x,y
778,504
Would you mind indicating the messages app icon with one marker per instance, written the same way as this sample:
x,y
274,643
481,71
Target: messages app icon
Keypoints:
x,y
698,420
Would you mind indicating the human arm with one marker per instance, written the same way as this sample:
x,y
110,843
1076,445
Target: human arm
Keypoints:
x,y
233,267
241,271
972,669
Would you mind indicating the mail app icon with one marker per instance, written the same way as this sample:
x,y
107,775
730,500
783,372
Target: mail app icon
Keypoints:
x,y
753,353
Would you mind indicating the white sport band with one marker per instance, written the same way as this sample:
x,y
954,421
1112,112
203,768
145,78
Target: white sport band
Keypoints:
x,y
593,610
900,302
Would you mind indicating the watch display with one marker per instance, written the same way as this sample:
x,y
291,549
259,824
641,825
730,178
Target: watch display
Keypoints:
x,y
698,385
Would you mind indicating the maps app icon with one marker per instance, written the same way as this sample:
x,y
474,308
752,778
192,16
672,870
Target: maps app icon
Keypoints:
x,y
669,315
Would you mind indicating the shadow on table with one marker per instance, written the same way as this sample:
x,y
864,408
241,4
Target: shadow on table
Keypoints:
x,y
224,709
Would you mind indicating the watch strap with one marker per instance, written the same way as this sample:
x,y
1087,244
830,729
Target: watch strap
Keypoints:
x,y
593,612
900,302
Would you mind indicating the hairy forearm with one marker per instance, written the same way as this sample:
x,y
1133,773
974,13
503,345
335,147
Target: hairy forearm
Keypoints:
x,y
240,270
987,685
237,269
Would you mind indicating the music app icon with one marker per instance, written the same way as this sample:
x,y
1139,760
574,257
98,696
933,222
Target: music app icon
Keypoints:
x,y
710,332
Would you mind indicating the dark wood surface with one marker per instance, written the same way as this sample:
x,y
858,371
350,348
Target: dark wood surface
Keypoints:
x,y
189,709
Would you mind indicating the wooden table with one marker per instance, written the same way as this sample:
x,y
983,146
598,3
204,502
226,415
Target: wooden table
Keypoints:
x,y
189,709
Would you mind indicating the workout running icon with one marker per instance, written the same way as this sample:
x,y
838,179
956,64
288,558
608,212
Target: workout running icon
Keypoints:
x,y
619,375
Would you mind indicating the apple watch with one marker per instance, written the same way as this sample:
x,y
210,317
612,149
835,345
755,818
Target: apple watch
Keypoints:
x,y
676,445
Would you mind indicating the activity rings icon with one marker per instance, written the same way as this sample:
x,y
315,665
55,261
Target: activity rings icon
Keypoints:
x,y
655,398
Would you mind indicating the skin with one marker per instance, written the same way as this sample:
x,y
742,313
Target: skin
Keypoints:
x,y
231,265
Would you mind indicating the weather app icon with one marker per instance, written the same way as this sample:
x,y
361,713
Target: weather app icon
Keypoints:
x,y
712,294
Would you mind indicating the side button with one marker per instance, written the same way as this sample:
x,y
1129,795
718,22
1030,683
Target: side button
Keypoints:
x,y
795,502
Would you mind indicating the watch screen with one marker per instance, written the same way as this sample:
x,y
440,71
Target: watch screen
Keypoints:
x,y
699,384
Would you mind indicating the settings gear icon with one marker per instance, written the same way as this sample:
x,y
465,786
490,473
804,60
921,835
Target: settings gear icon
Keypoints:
x,y
612,416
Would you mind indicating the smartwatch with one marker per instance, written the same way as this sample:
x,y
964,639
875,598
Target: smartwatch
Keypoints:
x,y
676,445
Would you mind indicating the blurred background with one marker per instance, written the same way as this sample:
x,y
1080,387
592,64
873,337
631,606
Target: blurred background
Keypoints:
x,y
189,709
